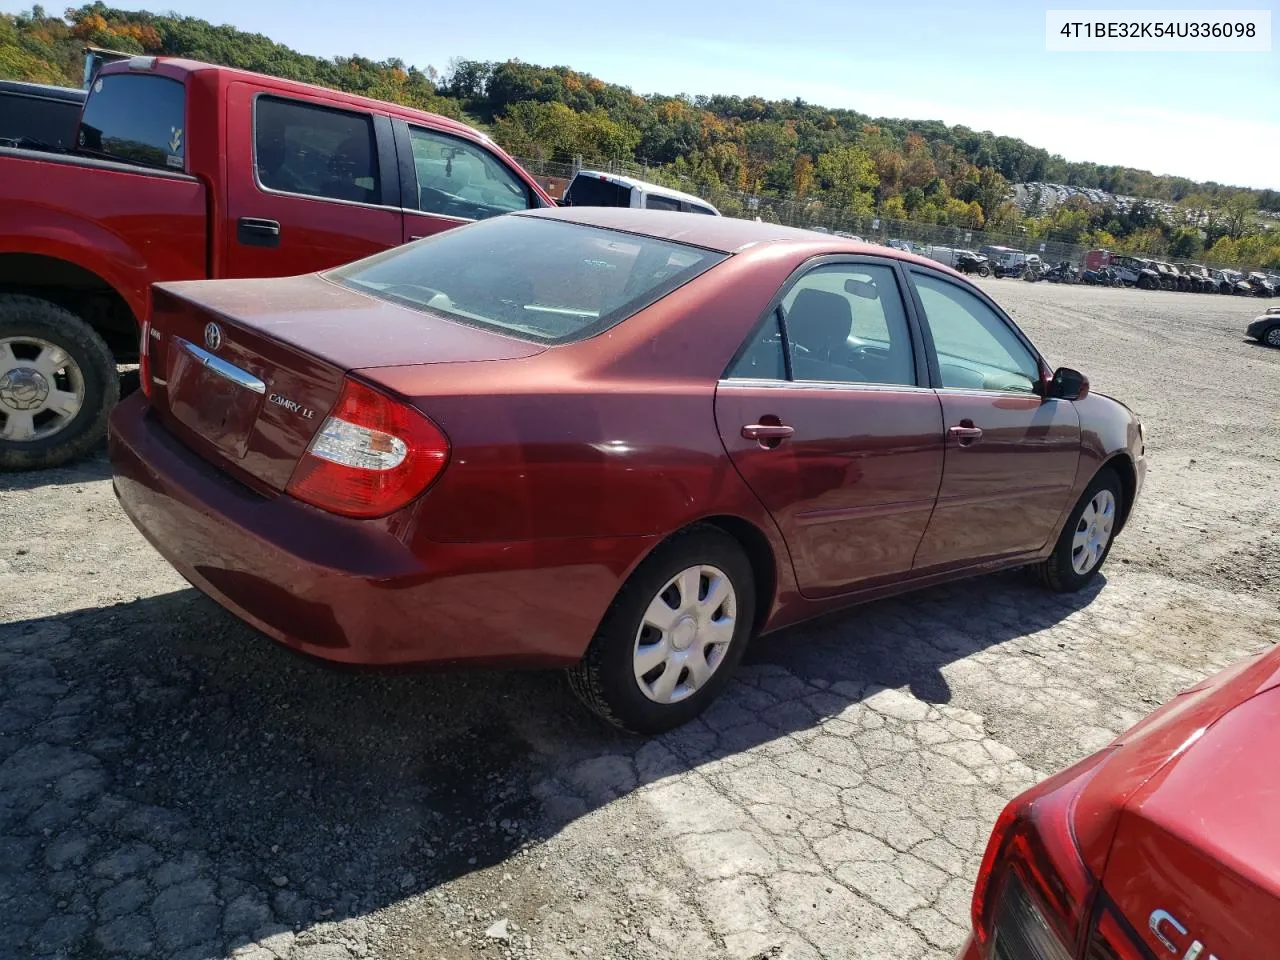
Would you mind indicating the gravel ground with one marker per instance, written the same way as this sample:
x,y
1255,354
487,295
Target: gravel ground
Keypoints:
x,y
173,785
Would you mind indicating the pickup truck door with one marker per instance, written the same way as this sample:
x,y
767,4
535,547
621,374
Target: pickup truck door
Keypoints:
x,y
311,184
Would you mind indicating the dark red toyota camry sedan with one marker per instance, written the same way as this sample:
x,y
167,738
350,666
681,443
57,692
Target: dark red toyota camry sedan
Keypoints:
x,y
620,441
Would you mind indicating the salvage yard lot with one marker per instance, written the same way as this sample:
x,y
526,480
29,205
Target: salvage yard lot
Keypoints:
x,y
174,785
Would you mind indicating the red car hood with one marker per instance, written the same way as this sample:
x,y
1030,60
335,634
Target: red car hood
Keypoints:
x,y
1196,787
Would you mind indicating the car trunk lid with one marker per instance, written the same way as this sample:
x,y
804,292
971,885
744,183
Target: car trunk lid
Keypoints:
x,y
250,368
1200,841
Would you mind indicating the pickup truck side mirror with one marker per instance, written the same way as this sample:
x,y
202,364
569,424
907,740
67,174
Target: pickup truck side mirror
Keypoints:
x,y
1065,384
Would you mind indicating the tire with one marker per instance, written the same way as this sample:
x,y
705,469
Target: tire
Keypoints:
x,y
88,374
1272,337
984,271
606,680
1058,572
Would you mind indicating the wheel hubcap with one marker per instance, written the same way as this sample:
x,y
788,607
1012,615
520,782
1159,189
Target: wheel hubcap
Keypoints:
x,y
1273,336
685,633
1093,532
41,389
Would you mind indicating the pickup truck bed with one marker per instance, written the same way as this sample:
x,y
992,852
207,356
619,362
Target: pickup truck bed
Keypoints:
x,y
185,171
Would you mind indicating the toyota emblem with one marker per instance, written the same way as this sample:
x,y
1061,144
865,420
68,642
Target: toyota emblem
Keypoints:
x,y
212,336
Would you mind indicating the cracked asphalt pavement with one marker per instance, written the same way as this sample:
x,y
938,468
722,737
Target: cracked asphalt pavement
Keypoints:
x,y
173,785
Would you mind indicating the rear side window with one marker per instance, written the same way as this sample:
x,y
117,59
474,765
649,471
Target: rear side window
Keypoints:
x,y
316,151
656,201
136,118
589,191
538,279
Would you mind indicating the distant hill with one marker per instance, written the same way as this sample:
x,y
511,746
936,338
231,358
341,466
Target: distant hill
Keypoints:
x,y
838,159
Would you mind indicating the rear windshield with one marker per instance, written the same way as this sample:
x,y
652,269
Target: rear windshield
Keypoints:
x,y
137,118
542,280
589,191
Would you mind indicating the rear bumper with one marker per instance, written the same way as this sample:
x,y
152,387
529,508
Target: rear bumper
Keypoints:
x,y
360,592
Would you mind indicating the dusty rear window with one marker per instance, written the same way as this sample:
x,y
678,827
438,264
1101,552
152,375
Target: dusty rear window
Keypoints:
x,y
542,280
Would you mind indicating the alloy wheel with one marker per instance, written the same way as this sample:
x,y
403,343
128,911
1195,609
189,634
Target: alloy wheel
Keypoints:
x,y
41,389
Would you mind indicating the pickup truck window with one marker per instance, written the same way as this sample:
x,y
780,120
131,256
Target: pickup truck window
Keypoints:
x,y
315,151
457,178
136,118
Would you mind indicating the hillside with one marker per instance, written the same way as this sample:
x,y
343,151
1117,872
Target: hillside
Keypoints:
x,y
721,145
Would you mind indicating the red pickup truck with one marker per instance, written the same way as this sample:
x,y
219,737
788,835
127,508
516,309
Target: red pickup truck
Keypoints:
x,y
184,171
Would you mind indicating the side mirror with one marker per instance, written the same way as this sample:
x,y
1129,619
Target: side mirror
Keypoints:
x,y
1065,384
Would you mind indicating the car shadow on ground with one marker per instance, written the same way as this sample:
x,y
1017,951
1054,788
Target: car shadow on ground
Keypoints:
x,y
161,743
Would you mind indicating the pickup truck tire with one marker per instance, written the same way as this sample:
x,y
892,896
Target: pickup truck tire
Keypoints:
x,y
87,373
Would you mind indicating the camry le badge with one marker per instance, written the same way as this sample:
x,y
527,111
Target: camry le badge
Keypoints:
x,y
292,406
1162,921
212,336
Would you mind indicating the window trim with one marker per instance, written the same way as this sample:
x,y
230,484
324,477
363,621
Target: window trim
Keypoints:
x,y
410,193
905,291
384,152
935,372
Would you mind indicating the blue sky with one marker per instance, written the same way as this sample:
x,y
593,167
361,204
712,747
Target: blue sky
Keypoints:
x,y
1206,116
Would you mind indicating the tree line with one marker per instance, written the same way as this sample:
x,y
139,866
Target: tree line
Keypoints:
x,y
831,159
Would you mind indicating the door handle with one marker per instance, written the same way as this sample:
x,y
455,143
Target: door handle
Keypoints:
x,y
767,431
966,434
253,232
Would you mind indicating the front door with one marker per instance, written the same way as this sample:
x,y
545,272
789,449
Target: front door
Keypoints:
x,y
451,181
318,189
1011,456
837,438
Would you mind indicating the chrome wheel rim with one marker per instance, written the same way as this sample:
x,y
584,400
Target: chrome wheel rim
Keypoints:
x,y
41,389
685,634
1093,532
1273,337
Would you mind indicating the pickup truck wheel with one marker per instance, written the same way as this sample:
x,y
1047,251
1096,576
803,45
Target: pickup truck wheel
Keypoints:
x,y
57,384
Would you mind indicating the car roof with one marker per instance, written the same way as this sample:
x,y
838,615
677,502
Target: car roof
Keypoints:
x,y
722,234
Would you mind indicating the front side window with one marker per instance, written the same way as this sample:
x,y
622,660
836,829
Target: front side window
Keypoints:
x,y
457,178
976,349
539,279
316,151
136,118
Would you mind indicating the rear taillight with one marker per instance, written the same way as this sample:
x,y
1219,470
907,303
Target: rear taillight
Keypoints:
x,y
144,358
371,456
1034,892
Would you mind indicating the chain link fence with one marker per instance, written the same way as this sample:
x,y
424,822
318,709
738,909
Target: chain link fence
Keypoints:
x,y
810,214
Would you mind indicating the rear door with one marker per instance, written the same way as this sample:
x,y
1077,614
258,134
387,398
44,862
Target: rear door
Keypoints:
x,y
1011,456
825,416
318,188
447,181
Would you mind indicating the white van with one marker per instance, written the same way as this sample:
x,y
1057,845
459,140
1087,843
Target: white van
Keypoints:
x,y
591,188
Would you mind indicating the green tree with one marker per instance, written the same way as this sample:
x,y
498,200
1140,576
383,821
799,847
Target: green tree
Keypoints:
x,y
848,178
